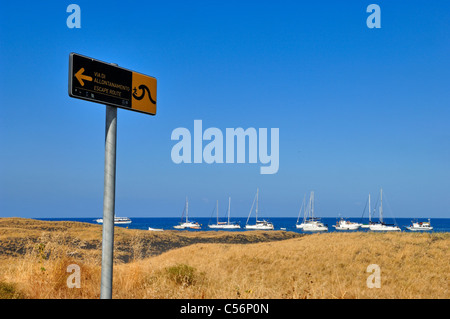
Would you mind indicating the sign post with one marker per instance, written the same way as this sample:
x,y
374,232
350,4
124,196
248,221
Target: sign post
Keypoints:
x,y
109,84
109,195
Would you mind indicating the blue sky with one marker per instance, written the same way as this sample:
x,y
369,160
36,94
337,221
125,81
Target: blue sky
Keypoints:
x,y
357,108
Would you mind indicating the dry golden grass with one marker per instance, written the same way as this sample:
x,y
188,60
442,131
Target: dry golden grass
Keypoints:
x,y
330,265
317,266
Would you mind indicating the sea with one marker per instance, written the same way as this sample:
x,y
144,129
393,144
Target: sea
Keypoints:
x,y
280,223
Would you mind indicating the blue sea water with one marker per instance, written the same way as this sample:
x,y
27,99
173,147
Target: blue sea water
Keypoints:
x,y
285,223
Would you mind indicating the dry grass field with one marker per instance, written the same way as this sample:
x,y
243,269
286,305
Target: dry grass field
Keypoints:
x,y
34,256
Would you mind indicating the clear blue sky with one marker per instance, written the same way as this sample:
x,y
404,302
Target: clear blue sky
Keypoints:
x,y
357,108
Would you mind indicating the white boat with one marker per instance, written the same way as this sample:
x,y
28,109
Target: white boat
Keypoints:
x,y
117,220
259,224
344,224
227,224
314,225
155,229
311,223
384,227
418,226
381,225
187,223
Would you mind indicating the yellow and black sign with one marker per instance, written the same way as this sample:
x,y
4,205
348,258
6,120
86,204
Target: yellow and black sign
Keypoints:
x,y
106,83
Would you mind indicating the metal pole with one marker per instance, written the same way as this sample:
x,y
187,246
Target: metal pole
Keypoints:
x,y
109,202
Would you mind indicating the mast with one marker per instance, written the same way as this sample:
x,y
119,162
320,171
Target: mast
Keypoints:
x,y
257,190
307,209
370,213
251,209
381,205
217,211
187,209
302,208
312,204
229,204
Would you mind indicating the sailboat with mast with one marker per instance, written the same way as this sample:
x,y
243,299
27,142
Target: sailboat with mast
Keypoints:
x,y
187,223
260,224
227,224
381,225
311,223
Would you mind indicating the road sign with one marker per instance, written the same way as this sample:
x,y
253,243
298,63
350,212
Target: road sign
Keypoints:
x,y
106,83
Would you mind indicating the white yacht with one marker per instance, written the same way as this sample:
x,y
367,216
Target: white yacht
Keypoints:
x,y
418,226
311,223
344,224
117,220
227,224
187,223
381,225
259,224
